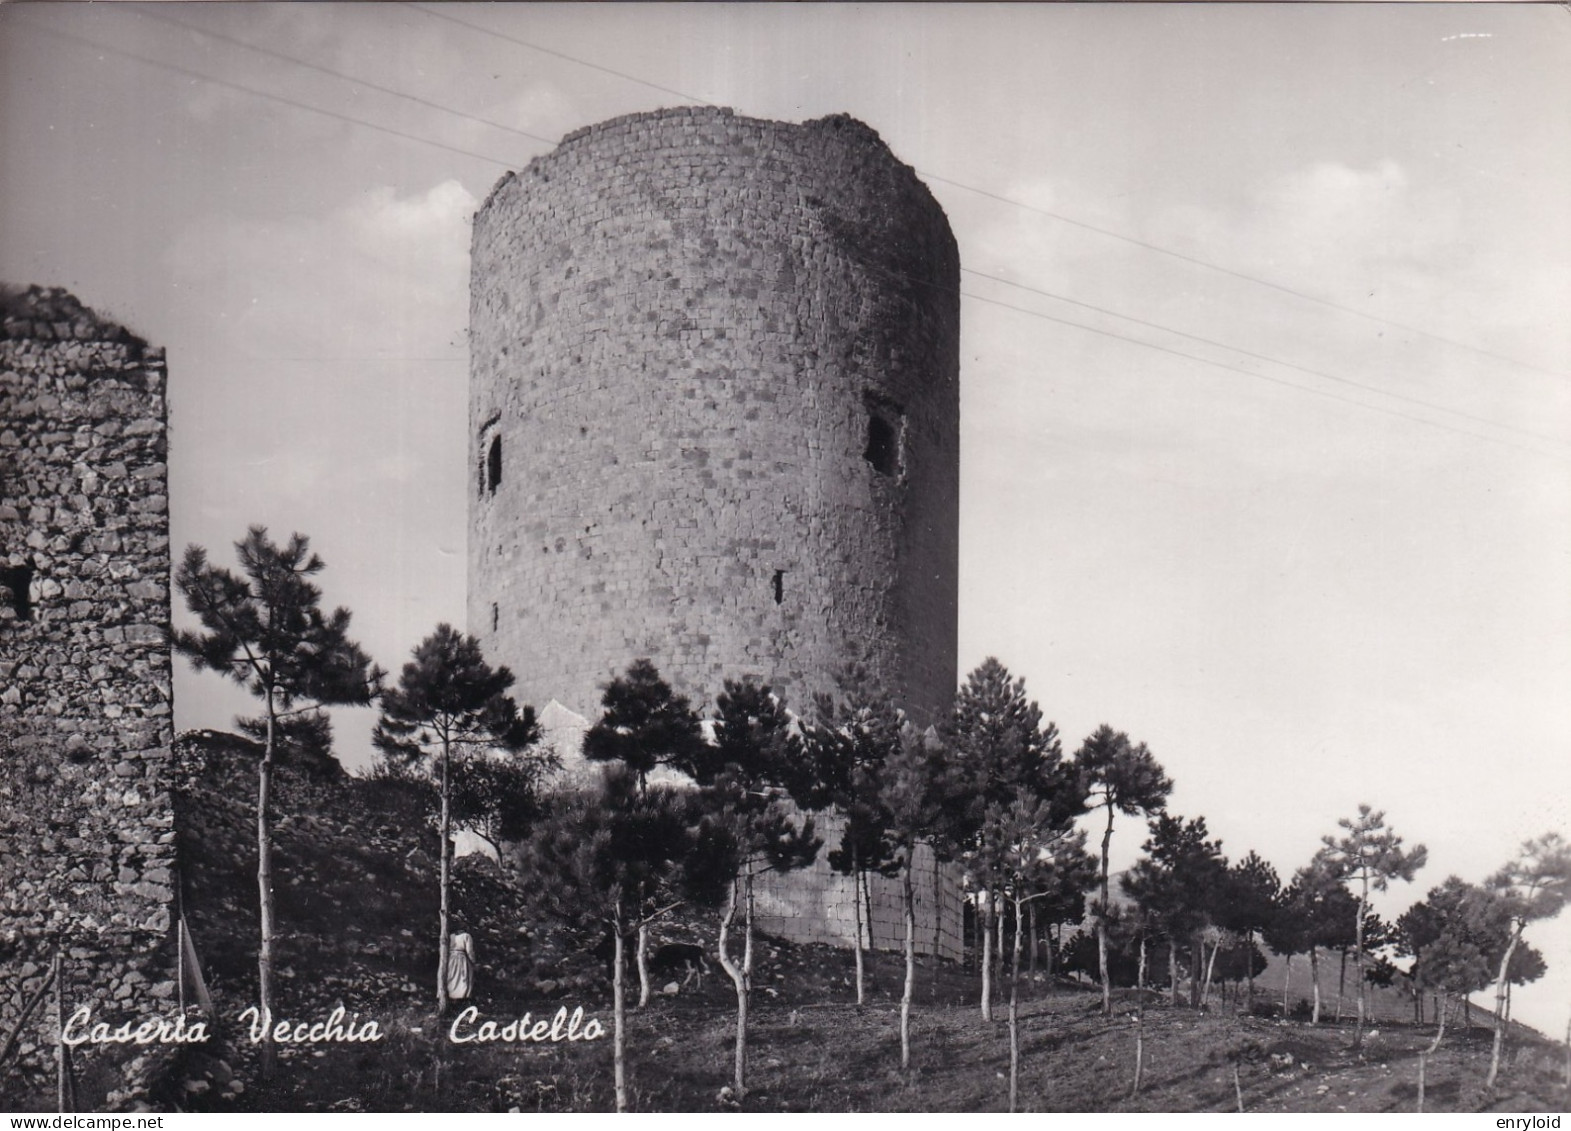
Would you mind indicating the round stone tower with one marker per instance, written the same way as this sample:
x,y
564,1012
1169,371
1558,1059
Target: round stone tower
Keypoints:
x,y
714,412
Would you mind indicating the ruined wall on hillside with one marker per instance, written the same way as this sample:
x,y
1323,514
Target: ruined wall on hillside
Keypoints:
x,y
86,820
816,903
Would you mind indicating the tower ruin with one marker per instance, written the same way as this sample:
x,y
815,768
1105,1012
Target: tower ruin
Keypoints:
x,y
714,412
87,838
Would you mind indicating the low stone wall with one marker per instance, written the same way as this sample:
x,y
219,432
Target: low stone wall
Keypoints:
x,y
815,904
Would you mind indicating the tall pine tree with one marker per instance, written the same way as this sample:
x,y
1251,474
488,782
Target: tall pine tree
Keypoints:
x,y
747,782
448,698
1120,776
265,629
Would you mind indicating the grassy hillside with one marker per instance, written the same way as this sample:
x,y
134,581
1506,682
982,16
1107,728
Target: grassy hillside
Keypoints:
x,y
356,883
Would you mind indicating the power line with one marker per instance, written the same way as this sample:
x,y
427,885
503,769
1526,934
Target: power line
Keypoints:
x,y
980,274
187,72
1251,373
1264,357
1106,232
435,14
147,15
1208,265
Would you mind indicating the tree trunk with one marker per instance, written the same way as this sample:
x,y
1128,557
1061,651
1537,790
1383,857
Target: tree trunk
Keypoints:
x,y
39,994
908,891
856,900
1031,942
65,1083
1500,998
444,881
1440,1032
1205,990
1568,1056
1358,963
1172,971
999,926
642,957
1341,985
264,883
747,986
1054,938
1014,1015
987,958
618,1017
1287,980
1423,1057
938,921
1101,916
1314,976
1140,1016
739,980
1197,952
1249,964
867,910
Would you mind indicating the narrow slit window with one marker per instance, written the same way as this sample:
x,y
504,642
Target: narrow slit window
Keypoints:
x,y
493,465
496,616
17,580
881,441
885,436
779,584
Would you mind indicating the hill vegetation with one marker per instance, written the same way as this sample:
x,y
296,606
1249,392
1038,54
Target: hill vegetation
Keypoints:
x,y
357,862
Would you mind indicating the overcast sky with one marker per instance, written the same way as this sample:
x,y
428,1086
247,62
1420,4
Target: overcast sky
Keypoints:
x,y
1266,363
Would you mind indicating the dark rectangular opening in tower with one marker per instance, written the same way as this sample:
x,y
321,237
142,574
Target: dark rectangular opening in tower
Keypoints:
x,y
493,464
16,581
885,436
779,585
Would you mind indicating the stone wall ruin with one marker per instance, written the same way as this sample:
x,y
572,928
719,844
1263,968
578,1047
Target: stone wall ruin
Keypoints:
x,y
87,840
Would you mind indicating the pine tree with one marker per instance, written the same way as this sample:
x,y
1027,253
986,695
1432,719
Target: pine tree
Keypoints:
x,y
604,858
1122,776
919,784
1001,746
1371,856
856,732
645,724
747,782
1533,886
265,629
1449,934
1028,849
449,698
1175,884
1252,891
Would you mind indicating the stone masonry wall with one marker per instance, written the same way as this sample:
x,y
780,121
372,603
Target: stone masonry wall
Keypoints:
x,y
714,410
86,819
815,904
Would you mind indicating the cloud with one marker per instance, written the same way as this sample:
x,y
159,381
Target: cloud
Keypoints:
x,y
381,276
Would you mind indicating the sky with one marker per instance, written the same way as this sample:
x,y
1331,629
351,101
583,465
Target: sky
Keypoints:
x,y
1265,355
